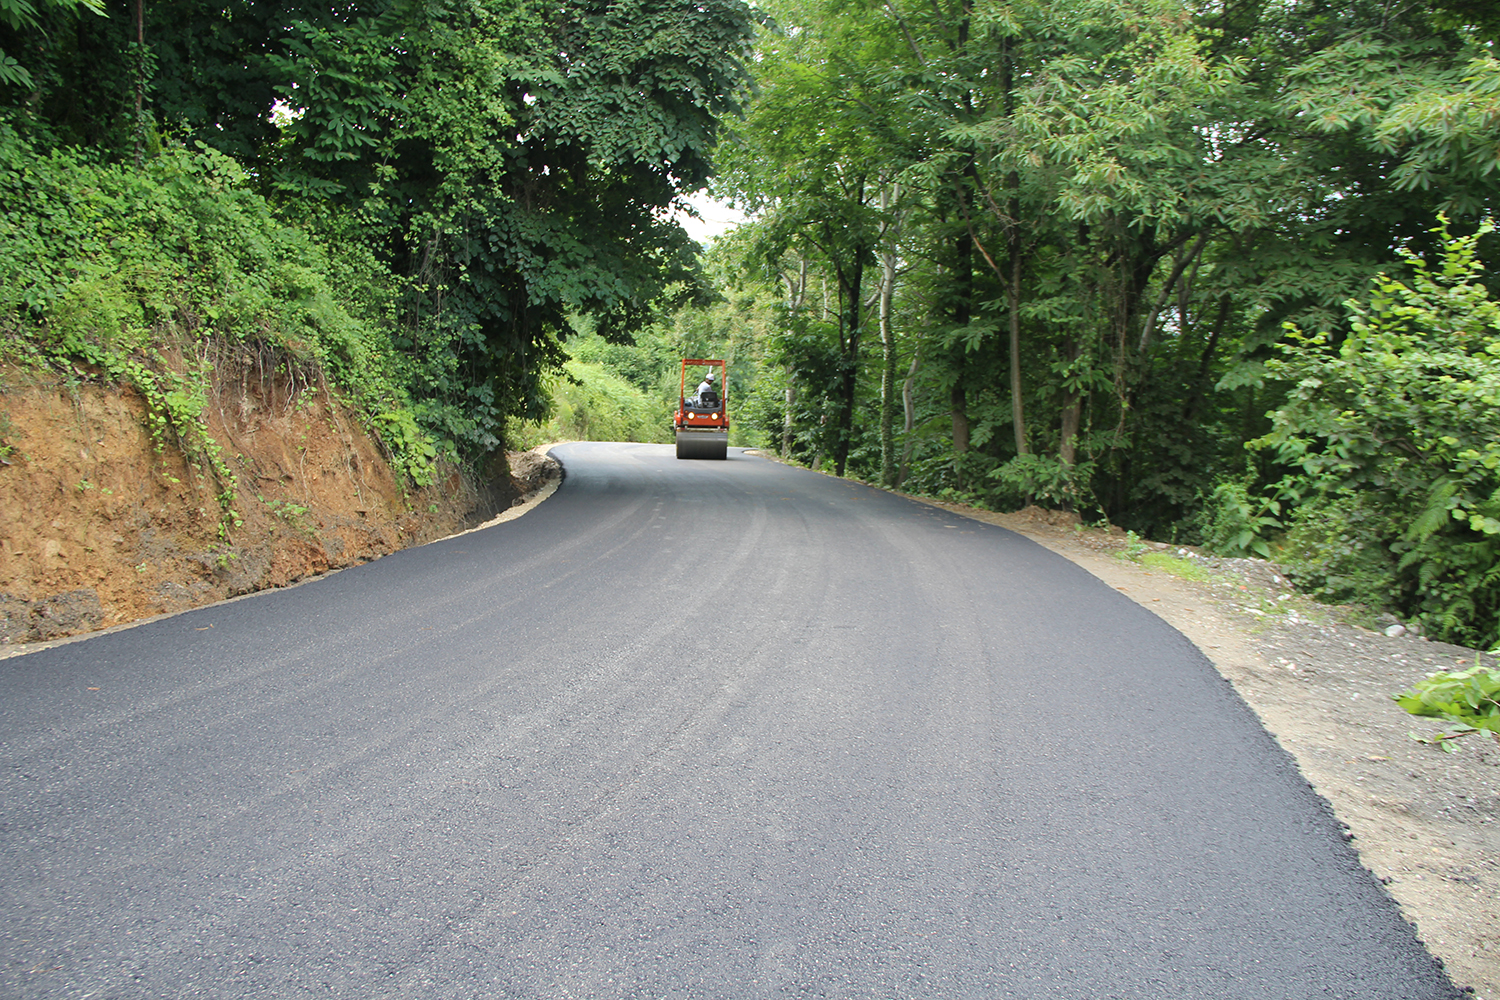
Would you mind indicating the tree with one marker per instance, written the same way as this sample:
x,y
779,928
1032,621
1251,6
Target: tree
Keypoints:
x,y
1110,207
806,159
21,16
514,162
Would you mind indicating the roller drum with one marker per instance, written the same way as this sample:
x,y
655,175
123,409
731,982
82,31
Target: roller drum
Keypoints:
x,y
703,444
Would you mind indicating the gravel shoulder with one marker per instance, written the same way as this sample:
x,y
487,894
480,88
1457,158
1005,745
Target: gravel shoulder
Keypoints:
x,y
1425,822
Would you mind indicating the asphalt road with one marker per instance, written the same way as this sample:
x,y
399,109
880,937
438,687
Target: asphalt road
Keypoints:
x,y
687,729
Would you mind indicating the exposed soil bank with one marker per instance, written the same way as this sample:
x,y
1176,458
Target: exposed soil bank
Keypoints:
x,y
101,524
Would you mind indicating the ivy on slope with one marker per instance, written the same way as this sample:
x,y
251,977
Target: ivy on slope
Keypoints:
x,y
145,277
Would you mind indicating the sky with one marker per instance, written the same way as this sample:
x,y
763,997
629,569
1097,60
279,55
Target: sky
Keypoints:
x,y
716,218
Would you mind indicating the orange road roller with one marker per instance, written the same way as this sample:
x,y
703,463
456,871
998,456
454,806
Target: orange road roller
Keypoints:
x,y
702,418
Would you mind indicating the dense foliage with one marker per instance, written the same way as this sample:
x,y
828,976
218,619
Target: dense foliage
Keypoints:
x,y
500,166
1392,439
1048,252
590,402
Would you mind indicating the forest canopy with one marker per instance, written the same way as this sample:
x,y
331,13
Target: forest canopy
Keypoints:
x,y
484,170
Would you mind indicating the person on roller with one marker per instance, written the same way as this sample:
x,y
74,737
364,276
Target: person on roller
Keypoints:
x,y
706,386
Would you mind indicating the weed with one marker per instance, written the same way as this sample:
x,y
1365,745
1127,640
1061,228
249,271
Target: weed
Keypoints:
x,y
1469,699
1187,569
291,513
1134,547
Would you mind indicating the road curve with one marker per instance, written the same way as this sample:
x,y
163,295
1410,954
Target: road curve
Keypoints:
x,y
687,729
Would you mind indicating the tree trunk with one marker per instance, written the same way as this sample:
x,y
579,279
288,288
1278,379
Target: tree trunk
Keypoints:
x,y
887,345
959,405
787,422
1013,304
140,83
1182,264
1072,409
1205,361
796,294
1136,256
963,294
908,403
1014,247
854,290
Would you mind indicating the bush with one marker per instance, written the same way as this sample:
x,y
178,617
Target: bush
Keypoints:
x,y
147,277
1337,548
1393,436
591,403
1233,521
1045,480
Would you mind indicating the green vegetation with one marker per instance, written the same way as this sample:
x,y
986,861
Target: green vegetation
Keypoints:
x,y
592,403
7,449
626,392
409,202
1061,253
1469,699
1141,553
165,277
1392,441
1176,565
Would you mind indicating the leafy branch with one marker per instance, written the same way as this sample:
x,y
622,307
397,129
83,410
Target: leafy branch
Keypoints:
x,y
1470,699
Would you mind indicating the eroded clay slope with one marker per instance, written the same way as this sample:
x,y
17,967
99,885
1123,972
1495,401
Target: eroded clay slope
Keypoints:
x,y
101,523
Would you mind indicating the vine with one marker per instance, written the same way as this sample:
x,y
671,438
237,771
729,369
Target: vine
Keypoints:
x,y
175,407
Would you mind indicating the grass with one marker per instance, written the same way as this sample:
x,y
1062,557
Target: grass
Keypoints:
x,y
1187,569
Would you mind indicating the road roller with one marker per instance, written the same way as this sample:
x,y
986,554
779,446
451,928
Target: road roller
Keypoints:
x,y
702,418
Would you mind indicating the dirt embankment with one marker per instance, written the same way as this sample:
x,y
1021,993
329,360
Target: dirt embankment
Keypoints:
x,y
100,523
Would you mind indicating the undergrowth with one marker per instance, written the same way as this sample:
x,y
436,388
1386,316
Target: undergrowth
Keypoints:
x,y
1389,440
592,403
152,278
1469,700
1187,569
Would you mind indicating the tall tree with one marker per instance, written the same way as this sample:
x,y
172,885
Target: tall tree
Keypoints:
x,y
516,161
809,159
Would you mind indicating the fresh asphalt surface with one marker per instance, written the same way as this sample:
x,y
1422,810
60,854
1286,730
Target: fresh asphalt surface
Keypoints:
x,y
687,729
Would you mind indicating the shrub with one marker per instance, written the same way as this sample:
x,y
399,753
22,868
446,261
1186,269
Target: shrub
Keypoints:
x,y
1338,549
145,276
1468,699
591,403
1233,521
1393,436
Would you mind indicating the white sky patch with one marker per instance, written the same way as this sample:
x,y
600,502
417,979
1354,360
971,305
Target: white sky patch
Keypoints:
x,y
283,114
716,218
